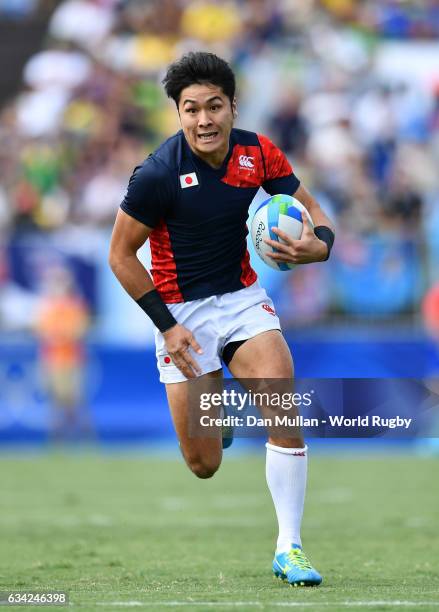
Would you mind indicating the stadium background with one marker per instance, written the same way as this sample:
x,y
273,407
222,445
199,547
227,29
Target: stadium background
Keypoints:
x,y
350,91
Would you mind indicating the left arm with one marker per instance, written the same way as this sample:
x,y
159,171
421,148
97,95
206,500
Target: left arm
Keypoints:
x,y
313,207
309,248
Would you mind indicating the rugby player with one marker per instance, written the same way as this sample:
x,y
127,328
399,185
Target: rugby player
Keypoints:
x,y
190,198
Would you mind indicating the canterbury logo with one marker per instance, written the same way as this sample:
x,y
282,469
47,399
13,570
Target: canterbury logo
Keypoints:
x,y
245,161
269,309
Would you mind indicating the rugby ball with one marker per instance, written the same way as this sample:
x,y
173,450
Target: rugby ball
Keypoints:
x,y
284,212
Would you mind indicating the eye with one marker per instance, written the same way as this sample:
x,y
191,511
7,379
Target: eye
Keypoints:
x,y
191,111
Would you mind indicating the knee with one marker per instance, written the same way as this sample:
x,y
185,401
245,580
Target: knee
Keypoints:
x,y
201,467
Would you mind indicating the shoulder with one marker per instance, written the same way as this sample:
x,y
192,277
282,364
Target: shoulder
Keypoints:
x,y
169,153
266,144
151,180
244,137
159,164
272,154
153,170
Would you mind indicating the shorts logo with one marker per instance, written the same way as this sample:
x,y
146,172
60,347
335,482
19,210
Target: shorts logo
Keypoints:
x,y
188,180
245,161
269,309
165,360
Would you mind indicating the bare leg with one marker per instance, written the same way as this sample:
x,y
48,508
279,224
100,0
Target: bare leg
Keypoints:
x,y
267,356
202,454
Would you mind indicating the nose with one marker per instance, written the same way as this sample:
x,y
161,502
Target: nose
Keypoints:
x,y
204,119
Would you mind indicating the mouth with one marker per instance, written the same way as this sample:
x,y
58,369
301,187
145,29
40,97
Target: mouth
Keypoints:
x,y
207,136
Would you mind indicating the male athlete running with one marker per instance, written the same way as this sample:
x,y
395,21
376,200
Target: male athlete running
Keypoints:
x,y
191,199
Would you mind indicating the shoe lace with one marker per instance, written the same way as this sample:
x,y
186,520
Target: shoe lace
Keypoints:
x,y
298,558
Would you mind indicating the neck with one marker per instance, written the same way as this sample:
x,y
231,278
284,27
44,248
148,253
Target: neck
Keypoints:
x,y
214,159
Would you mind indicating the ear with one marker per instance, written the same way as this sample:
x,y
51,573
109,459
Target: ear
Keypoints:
x,y
234,108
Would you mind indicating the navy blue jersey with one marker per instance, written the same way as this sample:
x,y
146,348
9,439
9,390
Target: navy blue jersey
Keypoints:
x,y
199,213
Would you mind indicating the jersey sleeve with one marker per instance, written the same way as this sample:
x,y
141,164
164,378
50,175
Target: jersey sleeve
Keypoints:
x,y
279,175
148,194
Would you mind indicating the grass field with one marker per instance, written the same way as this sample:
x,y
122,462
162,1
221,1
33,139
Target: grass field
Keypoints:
x,y
120,532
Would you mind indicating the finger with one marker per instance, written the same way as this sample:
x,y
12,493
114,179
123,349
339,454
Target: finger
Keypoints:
x,y
194,344
184,367
306,224
283,258
277,245
282,235
186,360
291,246
186,370
190,361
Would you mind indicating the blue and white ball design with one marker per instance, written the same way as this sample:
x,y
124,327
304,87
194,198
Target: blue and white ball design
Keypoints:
x,y
284,212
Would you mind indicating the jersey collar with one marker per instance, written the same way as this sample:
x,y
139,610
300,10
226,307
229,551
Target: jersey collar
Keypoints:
x,y
204,165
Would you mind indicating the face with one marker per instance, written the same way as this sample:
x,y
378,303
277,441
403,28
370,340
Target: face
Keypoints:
x,y
206,117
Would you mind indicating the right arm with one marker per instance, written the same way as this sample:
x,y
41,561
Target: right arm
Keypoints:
x,y
129,235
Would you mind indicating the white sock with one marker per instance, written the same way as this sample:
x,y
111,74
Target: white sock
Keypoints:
x,y
286,478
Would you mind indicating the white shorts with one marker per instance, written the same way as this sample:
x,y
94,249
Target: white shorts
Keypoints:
x,y
215,321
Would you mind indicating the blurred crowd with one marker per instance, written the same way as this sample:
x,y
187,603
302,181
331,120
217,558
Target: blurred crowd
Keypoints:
x,y
348,89
23,10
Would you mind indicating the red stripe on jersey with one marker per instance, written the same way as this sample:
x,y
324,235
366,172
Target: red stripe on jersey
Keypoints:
x,y
276,164
248,275
164,272
245,167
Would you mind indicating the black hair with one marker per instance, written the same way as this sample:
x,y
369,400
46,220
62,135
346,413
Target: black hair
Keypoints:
x,y
199,67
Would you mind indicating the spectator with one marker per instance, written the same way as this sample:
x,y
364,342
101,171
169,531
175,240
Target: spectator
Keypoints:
x,y
61,324
360,123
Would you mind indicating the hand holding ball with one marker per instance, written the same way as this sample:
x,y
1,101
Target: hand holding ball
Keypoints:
x,y
293,242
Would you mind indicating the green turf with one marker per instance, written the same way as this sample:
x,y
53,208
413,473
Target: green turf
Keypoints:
x,y
123,529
